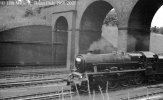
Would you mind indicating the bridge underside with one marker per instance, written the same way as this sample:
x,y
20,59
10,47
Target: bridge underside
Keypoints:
x,y
91,24
75,28
139,24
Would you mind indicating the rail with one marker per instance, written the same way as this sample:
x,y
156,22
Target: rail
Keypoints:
x,y
43,96
31,83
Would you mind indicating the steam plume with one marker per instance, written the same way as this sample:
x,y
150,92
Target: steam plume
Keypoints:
x,y
103,46
108,41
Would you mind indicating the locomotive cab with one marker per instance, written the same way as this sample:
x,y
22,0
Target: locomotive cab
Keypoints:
x,y
150,61
159,67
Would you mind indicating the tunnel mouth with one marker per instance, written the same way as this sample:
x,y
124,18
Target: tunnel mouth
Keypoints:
x,y
139,24
91,24
60,38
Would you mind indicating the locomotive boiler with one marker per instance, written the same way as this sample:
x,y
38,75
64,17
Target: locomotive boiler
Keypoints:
x,y
113,69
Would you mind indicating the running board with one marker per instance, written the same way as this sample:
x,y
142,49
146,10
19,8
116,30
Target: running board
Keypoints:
x,y
113,72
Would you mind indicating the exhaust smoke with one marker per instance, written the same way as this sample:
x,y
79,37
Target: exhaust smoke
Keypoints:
x,y
108,41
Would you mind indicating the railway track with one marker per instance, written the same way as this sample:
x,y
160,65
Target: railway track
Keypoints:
x,y
22,78
154,95
31,83
53,95
138,89
151,96
24,75
43,96
68,93
10,73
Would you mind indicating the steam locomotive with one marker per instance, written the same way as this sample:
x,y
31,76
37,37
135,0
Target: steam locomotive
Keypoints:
x,y
114,69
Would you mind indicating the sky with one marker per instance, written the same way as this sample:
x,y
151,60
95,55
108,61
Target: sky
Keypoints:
x,y
158,18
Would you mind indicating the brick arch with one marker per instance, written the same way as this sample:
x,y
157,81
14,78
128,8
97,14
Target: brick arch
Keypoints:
x,y
61,23
91,22
139,23
60,37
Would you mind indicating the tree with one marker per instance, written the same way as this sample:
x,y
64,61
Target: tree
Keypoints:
x,y
111,18
154,29
161,30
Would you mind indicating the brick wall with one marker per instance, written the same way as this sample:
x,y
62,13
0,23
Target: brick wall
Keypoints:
x,y
28,45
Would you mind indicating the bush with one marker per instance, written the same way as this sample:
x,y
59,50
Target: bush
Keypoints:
x,y
155,29
28,12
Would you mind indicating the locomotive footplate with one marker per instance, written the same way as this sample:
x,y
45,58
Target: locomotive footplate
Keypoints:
x,y
76,78
114,72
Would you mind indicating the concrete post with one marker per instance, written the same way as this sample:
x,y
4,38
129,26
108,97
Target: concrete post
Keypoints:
x,y
68,64
71,52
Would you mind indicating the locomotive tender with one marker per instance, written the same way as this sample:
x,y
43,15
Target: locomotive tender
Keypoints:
x,y
113,69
